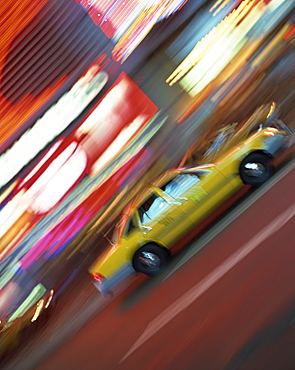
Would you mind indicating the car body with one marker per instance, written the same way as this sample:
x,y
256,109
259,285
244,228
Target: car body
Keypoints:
x,y
215,144
22,316
181,199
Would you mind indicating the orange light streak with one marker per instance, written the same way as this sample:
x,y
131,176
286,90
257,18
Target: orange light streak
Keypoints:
x,y
16,116
15,15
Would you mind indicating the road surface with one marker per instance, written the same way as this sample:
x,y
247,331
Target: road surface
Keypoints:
x,y
218,310
226,306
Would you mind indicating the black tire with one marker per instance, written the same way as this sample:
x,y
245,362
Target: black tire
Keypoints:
x,y
150,259
256,169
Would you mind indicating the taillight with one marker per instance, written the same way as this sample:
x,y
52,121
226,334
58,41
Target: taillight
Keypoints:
x,y
96,276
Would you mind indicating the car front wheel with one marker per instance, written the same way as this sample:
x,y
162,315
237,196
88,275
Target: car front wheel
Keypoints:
x,y
256,169
150,259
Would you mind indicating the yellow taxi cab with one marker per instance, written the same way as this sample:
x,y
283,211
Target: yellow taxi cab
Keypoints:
x,y
179,200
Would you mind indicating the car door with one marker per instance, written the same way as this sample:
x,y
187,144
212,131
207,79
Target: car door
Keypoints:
x,y
162,220
206,194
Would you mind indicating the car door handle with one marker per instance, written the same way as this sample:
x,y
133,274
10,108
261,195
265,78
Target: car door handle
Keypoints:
x,y
179,201
146,229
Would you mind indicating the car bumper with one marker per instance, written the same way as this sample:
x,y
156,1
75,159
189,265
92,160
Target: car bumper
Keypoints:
x,y
282,126
274,145
106,286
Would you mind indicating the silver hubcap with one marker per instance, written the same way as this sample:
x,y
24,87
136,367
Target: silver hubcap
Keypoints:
x,y
254,169
150,259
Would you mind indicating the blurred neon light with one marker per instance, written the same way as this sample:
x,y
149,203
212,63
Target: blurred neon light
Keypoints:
x,y
15,15
123,112
48,154
4,197
28,206
119,116
48,190
289,33
128,22
56,239
172,8
118,144
14,116
16,233
37,292
269,49
213,53
12,212
219,6
53,122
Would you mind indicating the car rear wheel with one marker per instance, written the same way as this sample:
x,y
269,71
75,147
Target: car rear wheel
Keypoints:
x,y
150,259
256,169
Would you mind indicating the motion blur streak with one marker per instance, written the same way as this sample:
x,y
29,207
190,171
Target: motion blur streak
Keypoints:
x,y
56,181
53,122
116,119
129,22
139,29
14,17
11,212
37,291
221,6
47,46
33,201
208,58
196,291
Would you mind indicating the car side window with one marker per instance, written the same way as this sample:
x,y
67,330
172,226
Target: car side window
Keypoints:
x,y
132,223
156,205
129,227
180,184
152,208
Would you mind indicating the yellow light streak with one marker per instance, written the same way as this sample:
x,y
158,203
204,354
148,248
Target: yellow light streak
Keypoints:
x,y
271,46
139,29
211,54
215,5
224,3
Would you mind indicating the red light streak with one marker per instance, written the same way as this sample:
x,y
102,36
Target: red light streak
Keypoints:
x,y
75,221
14,17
